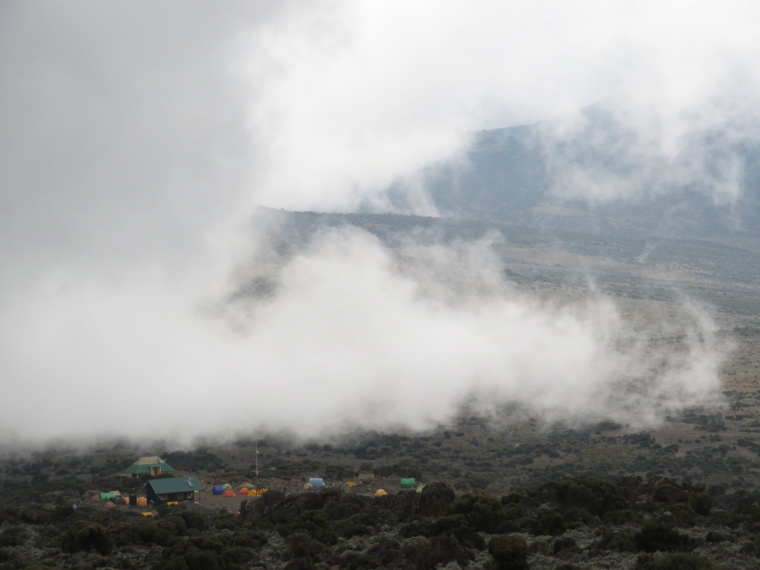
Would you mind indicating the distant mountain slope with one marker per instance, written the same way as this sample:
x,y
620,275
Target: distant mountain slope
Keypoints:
x,y
631,266
517,174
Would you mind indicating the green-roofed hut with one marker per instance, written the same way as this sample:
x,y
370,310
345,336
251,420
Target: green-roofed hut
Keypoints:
x,y
408,483
149,466
173,489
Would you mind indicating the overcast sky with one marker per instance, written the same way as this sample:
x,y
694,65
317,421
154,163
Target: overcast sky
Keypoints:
x,y
138,136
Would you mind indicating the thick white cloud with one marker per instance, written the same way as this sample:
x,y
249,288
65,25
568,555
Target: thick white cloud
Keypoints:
x,y
351,338
136,137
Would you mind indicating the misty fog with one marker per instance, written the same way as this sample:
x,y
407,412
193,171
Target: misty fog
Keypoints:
x,y
138,139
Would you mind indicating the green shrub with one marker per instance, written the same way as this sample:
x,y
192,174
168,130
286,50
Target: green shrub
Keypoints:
x,y
548,523
594,495
13,536
701,503
578,515
437,550
682,512
193,520
163,532
124,533
300,564
313,523
419,527
85,535
364,561
482,512
623,542
509,551
201,553
654,537
674,562
620,516
304,546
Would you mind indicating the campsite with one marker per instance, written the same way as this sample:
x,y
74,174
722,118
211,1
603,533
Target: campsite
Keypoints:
x,y
474,493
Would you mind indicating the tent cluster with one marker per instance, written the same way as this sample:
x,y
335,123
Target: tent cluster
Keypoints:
x,y
251,492
140,501
113,498
246,488
404,483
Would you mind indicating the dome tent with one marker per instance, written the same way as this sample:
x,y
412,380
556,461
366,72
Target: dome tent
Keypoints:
x,y
408,483
317,482
107,496
217,490
229,493
227,487
380,493
243,491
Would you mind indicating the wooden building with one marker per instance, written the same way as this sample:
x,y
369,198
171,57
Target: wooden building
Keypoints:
x,y
180,489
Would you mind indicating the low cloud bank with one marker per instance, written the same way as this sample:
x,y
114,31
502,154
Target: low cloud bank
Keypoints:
x,y
137,137
350,334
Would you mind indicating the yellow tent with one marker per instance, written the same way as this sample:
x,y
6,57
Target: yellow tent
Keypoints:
x,y
380,493
307,486
351,484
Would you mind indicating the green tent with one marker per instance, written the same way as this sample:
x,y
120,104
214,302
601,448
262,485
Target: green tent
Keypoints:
x,y
408,483
107,497
227,487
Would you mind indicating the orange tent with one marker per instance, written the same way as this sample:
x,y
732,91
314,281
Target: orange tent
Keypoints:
x,y
142,501
228,493
110,505
243,491
380,493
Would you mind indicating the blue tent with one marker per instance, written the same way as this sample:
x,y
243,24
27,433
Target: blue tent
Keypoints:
x,y
317,482
217,490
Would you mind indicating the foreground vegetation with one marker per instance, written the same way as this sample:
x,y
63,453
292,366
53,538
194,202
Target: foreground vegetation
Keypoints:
x,y
580,522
